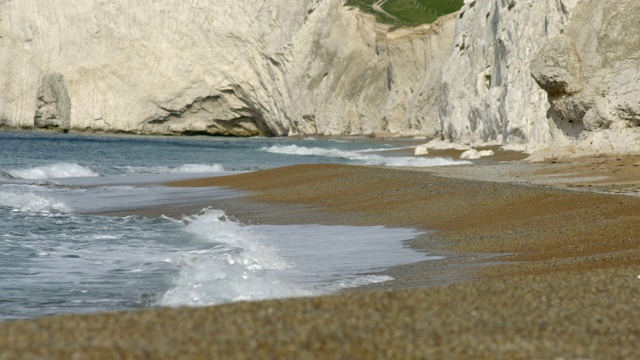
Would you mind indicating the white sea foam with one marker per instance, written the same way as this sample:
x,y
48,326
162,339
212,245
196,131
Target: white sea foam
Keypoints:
x,y
362,157
32,203
198,168
312,151
331,258
356,281
183,169
231,265
385,149
234,262
54,171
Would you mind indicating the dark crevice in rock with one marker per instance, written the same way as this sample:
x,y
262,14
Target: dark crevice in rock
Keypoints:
x,y
173,113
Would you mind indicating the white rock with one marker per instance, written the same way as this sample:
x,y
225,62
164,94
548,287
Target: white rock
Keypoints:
x,y
475,154
485,153
220,67
421,150
557,67
445,145
489,94
545,73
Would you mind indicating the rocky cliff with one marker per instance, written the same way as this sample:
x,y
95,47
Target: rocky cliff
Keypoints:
x,y
527,74
591,74
535,74
490,95
268,67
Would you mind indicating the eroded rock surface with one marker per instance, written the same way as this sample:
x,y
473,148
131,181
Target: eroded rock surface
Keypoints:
x,y
558,75
53,106
605,105
489,94
220,67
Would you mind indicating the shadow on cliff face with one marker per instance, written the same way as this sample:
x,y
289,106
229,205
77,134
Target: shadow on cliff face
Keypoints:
x,y
592,80
220,115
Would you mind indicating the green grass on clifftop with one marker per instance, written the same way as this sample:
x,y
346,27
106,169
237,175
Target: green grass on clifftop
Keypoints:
x,y
409,12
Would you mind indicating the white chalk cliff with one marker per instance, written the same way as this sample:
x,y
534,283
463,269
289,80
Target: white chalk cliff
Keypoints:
x,y
558,75
529,74
591,73
267,67
491,97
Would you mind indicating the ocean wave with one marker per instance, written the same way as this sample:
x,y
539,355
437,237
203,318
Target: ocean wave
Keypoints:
x,y
53,171
364,157
385,149
32,203
198,168
230,265
183,169
312,151
357,281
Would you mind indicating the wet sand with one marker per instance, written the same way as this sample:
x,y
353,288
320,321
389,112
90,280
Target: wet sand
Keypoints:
x,y
540,265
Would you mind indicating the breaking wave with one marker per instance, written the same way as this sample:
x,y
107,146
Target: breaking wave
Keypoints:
x,y
183,169
228,261
364,157
230,265
32,203
70,170
54,171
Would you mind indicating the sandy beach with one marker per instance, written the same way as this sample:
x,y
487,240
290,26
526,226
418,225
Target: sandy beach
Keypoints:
x,y
542,261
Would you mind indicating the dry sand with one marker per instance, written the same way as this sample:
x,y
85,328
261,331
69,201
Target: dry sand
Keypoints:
x,y
535,269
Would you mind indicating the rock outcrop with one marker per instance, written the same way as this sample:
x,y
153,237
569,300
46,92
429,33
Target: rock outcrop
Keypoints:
x,y
223,67
490,96
53,106
592,78
558,75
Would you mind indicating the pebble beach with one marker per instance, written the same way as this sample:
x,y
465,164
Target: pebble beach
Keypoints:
x,y
541,261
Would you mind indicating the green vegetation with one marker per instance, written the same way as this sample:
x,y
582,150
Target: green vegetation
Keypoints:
x,y
487,79
407,12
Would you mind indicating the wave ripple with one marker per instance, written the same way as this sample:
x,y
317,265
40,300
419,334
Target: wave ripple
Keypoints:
x,y
54,171
365,157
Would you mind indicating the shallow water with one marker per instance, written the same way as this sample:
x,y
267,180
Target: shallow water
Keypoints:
x,y
59,254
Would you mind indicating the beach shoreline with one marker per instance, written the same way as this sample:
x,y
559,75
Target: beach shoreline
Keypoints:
x,y
474,217
564,285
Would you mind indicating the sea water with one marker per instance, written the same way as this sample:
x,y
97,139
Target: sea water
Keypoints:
x,y
61,253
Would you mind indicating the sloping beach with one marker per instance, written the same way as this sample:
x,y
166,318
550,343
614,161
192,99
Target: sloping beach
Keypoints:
x,y
542,262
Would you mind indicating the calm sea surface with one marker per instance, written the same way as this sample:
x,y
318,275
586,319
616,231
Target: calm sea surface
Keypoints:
x,y
60,254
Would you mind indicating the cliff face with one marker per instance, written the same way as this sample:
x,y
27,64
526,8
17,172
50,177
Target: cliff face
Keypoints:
x,y
225,67
490,94
555,74
592,78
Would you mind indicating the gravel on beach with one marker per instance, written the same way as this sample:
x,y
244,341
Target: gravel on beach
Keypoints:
x,y
533,270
